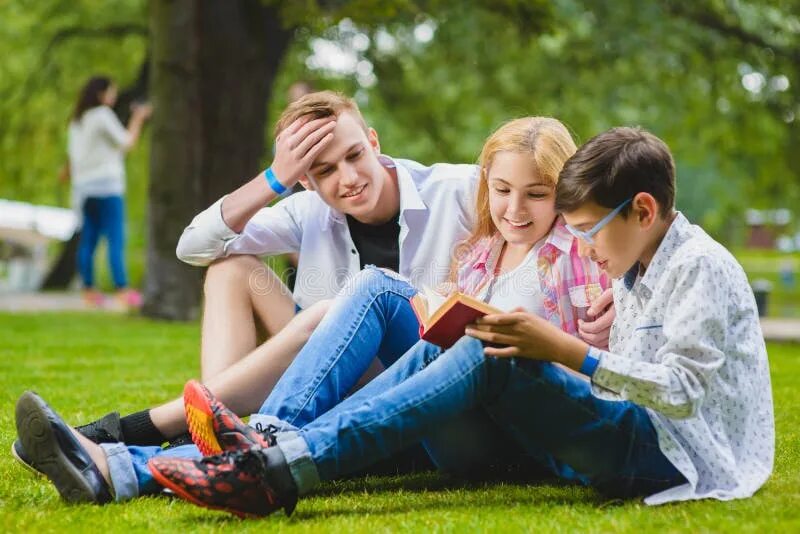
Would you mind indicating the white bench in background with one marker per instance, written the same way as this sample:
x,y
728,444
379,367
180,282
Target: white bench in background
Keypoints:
x,y
29,228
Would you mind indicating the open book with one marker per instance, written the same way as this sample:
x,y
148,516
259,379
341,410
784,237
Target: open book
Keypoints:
x,y
443,319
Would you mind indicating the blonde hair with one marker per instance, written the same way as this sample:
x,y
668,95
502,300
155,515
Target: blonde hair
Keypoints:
x,y
546,140
319,105
549,144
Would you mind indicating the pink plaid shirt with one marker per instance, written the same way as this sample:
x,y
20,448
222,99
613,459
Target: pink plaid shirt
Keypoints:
x,y
569,282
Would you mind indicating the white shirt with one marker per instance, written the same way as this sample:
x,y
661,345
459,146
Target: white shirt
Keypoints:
x,y
687,345
437,209
518,288
96,148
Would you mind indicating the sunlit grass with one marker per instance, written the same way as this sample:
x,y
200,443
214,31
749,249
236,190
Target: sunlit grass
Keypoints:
x,y
85,365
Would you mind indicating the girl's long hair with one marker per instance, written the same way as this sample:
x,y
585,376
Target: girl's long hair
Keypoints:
x,y
549,144
90,96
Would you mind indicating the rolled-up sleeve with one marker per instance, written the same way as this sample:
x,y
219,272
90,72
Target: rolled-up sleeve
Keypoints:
x,y
674,380
114,129
273,230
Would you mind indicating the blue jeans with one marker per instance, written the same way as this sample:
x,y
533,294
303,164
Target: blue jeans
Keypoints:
x,y
372,317
103,216
549,413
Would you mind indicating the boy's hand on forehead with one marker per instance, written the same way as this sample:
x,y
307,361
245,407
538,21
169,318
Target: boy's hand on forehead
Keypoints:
x,y
298,145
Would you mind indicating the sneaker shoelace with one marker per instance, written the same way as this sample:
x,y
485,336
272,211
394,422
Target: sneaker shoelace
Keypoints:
x,y
250,462
268,431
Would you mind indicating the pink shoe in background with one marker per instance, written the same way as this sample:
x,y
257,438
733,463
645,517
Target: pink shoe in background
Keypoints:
x,y
130,298
94,298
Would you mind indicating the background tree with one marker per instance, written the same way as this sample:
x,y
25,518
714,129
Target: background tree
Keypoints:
x,y
212,74
716,78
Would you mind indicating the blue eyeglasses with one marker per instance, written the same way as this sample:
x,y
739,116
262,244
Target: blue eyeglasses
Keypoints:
x,y
588,236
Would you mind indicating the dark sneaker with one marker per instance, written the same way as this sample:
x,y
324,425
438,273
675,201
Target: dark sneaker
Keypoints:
x,y
18,453
50,447
235,482
107,429
214,428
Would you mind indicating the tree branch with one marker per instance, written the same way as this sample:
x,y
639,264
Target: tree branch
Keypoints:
x,y
113,31
712,20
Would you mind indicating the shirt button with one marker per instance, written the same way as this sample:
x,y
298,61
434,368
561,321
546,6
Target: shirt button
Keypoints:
x,y
352,251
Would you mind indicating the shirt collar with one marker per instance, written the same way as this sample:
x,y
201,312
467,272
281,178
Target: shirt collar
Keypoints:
x,y
410,199
559,240
679,231
559,237
487,260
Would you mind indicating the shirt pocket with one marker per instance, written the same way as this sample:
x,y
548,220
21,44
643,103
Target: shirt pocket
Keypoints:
x,y
648,338
582,296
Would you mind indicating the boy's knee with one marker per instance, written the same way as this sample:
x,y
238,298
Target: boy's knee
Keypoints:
x,y
240,270
374,280
308,319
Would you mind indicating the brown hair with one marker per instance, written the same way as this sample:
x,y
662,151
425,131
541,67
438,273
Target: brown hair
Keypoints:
x,y
318,105
90,96
613,167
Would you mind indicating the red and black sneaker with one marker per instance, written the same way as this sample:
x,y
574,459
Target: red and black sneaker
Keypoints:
x,y
215,428
233,481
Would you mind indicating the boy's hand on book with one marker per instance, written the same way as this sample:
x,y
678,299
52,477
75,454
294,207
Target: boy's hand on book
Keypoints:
x,y
529,336
601,313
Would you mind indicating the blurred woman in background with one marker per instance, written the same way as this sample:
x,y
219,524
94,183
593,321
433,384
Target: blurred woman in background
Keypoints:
x,y
97,143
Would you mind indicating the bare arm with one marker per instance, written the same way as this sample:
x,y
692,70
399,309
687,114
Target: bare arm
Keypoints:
x,y
140,114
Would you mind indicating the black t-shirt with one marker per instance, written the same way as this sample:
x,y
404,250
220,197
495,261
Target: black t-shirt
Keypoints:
x,y
377,244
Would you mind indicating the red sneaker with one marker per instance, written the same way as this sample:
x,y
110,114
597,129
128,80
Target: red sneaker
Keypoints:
x,y
233,481
214,428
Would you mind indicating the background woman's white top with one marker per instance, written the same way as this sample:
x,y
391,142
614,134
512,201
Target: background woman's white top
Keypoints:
x,y
96,150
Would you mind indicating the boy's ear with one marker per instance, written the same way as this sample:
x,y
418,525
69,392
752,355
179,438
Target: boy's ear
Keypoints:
x,y
306,183
372,136
645,209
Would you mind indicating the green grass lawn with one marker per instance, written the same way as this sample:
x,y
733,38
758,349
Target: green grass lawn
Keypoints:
x,y
87,364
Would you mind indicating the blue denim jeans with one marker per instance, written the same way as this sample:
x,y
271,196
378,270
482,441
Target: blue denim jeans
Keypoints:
x,y
372,317
103,216
549,413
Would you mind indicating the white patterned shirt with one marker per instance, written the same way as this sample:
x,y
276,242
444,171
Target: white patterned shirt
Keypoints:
x,y
687,345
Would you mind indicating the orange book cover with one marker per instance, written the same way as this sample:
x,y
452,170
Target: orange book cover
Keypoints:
x,y
443,320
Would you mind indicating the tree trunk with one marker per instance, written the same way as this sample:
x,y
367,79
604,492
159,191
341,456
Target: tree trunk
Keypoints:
x,y
213,65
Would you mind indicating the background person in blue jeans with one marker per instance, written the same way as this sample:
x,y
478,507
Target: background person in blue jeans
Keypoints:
x,y
96,147
679,408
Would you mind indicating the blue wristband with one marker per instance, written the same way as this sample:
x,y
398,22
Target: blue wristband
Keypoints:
x,y
589,364
273,181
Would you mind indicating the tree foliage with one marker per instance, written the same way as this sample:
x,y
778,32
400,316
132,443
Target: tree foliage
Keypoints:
x,y
48,50
717,79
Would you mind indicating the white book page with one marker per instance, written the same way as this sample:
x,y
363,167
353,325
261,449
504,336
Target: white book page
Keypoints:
x,y
433,299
